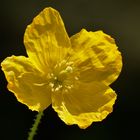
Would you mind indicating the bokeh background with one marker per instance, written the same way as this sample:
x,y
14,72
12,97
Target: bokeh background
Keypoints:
x,y
120,19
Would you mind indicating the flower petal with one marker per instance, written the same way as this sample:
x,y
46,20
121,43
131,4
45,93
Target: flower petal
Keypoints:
x,y
96,56
90,102
46,40
26,82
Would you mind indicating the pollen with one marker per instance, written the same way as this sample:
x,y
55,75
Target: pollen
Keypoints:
x,y
62,77
69,69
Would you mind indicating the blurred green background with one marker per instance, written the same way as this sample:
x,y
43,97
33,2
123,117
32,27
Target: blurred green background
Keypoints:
x,y
118,18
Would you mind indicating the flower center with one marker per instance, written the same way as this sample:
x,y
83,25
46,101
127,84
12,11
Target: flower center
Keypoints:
x,y
62,77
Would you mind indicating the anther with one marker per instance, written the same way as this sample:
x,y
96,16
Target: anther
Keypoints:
x,y
55,78
76,78
51,84
69,69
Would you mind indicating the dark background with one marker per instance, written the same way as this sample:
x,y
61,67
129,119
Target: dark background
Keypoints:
x,y
120,19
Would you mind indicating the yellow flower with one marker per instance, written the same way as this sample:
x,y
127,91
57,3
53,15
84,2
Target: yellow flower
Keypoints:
x,y
73,74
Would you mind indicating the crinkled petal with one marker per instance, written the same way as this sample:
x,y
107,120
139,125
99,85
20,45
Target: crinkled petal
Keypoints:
x,y
26,82
96,56
46,40
89,102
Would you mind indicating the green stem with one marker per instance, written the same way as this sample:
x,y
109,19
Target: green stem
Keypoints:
x,y
35,126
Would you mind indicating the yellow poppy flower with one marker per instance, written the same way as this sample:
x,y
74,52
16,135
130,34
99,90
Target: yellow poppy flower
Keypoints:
x,y
73,74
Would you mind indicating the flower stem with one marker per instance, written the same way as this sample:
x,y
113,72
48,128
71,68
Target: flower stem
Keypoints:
x,y
35,126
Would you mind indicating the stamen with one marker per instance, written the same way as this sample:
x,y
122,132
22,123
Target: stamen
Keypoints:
x,y
69,63
62,77
56,89
69,69
76,78
69,87
55,78
51,84
52,89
